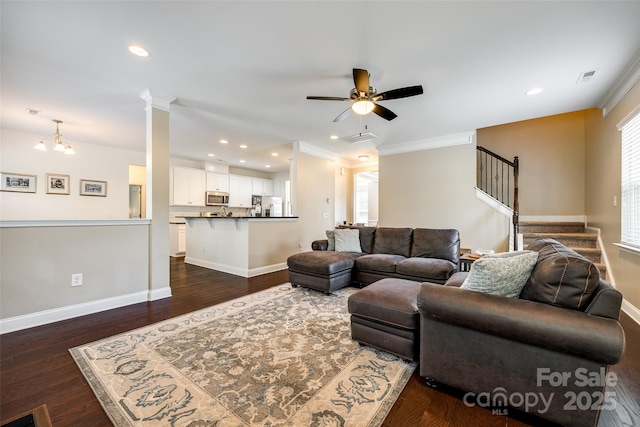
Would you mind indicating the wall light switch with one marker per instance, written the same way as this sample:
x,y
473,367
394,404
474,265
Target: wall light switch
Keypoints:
x,y
76,279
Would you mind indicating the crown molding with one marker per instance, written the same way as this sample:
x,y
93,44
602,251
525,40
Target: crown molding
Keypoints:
x,y
157,100
429,143
629,77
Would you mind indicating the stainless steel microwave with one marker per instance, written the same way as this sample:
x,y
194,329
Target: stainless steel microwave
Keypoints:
x,y
217,198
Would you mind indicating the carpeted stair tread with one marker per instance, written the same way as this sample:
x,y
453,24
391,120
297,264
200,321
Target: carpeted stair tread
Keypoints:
x,y
585,236
551,227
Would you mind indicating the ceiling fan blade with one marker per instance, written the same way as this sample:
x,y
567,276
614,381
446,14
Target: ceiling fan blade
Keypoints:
x,y
383,112
399,93
361,80
346,113
328,98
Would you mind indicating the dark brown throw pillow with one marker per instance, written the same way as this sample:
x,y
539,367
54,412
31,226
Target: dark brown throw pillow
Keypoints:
x,y
561,277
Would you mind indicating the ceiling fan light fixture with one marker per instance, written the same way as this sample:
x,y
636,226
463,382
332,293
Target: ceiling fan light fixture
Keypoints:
x,y
362,106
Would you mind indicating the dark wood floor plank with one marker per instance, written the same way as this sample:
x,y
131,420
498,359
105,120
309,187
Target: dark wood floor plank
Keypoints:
x,y
36,367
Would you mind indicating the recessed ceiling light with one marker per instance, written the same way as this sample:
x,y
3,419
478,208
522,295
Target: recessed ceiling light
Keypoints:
x,y
243,146
274,154
534,91
242,161
138,50
267,166
224,141
333,137
211,155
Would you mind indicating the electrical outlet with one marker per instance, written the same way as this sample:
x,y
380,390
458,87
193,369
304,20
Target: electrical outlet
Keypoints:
x,y
204,249
325,215
76,279
615,201
300,247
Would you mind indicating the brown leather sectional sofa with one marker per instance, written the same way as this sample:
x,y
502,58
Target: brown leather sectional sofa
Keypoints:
x,y
421,255
547,352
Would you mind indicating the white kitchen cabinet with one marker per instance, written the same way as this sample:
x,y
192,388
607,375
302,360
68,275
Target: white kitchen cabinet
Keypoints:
x,y
217,182
262,187
240,191
177,239
187,187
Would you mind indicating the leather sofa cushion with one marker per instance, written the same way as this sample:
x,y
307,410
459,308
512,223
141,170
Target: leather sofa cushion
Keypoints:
x,y
393,241
379,262
367,235
390,301
561,277
432,243
426,268
322,262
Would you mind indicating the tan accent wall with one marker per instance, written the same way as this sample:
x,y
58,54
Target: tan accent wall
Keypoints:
x,y
603,153
436,189
37,264
552,161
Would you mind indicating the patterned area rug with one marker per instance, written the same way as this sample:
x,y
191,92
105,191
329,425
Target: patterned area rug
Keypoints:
x,y
280,357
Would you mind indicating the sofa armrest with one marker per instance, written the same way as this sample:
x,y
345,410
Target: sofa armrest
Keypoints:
x,y
558,329
320,245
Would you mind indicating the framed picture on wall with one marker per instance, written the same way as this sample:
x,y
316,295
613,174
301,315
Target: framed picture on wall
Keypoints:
x,y
17,182
57,184
93,188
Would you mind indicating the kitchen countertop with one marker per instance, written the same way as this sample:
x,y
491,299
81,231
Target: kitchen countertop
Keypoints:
x,y
236,217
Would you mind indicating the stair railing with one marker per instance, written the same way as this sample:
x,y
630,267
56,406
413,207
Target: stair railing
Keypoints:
x,y
494,177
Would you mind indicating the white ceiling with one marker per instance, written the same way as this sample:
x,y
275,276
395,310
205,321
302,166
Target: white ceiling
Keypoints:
x,y
242,70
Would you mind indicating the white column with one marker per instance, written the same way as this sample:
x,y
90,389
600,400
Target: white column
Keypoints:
x,y
157,118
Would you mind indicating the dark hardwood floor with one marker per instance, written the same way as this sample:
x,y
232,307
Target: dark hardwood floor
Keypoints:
x,y
36,367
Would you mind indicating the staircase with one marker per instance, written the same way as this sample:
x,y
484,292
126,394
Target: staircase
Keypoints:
x,y
570,234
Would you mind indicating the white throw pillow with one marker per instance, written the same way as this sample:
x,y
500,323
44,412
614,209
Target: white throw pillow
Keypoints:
x,y
502,274
347,240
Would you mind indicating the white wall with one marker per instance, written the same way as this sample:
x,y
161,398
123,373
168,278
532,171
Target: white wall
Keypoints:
x,y
93,162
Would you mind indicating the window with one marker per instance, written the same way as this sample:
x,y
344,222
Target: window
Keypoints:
x,y
630,183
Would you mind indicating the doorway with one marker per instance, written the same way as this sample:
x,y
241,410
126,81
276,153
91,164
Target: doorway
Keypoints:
x,y
366,199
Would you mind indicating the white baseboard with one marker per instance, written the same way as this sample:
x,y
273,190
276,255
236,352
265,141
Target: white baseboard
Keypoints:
x,y
267,269
30,320
238,271
156,294
225,268
631,310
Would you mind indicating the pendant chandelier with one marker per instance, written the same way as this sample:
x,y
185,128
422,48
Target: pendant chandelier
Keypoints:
x,y
59,144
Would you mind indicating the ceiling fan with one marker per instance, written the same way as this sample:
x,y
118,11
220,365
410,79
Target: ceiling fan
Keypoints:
x,y
364,97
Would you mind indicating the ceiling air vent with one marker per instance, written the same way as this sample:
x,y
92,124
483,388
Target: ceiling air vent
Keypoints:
x,y
360,137
586,76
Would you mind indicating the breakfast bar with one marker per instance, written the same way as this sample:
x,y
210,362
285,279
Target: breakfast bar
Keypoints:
x,y
241,245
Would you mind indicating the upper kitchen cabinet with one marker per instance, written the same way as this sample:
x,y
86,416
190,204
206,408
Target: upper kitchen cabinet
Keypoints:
x,y
240,191
217,182
187,187
262,187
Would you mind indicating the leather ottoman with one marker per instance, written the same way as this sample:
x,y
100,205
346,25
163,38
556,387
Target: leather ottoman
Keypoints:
x,y
321,270
385,315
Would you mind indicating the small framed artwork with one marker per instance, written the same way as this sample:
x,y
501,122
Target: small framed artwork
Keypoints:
x,y
93,188
57,184
17,182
